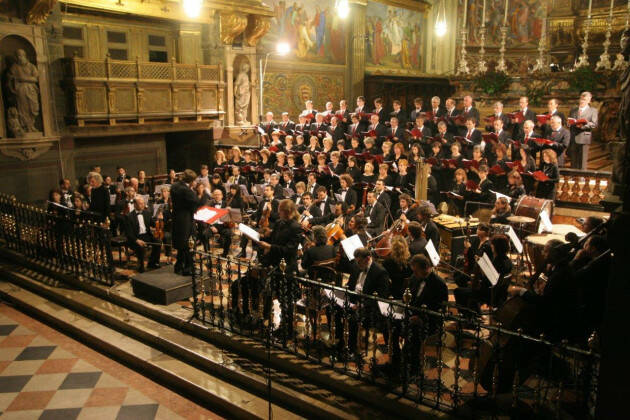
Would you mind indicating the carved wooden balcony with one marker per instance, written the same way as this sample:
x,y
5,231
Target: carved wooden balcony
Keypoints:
x,y
582,189
111,91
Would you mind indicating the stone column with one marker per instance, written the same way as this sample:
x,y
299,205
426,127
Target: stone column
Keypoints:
x,y
229,79
355,51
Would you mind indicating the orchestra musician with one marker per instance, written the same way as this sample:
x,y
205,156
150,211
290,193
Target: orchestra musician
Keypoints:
x,y
308,210
267,211
382,196
501,211
347,194
137,229
469,294
324,204
581,134
218,227
319,252
98,197
405,211
417,240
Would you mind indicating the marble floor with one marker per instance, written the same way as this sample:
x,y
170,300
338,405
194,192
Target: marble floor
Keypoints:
x,y
47,375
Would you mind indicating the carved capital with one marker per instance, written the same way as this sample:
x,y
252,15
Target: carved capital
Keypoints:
x,y
39,11
257,27
232,25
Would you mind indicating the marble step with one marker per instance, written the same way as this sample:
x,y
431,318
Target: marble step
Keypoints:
x,y
200,369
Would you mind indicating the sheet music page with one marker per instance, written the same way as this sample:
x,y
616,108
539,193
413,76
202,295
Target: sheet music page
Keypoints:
x,y
249,232
499,195
517,242
488,269
545,222
337,295
397,311
433,254
350,245
204,214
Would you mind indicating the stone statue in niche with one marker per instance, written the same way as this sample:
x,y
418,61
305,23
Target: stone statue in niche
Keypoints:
x,y
23,84
242,94
13,123
621,164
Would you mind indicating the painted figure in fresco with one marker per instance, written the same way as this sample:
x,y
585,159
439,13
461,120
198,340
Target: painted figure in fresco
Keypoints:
x,y
242,94
395,34
520,22
378,44
319,23
23,79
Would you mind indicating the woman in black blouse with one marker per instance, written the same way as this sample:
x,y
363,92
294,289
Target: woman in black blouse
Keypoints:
x,y
352,169
549,166
397,265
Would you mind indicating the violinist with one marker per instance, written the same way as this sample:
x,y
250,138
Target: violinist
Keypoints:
x,y
469,294
406,211
234,198
123,207
324,203
375,214
319,252
138,223
274,182
215,183
417,241
265,216
429,227
218,227
300,189
309,210
357,225
382,196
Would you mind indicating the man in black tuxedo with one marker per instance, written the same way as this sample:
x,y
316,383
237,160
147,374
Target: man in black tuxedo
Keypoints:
x,y
324,204
395,131
398,113
335,130
528,114
185,203
286,124
382,196
348,195
405,212
375,214
269,124
99,197
308,210
122,174
417,242
367,278
218,227
138,223
428,289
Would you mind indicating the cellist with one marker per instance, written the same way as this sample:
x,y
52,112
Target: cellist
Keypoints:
x,y
264,217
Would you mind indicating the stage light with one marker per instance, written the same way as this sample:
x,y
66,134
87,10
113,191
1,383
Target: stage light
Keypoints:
x,y
440,28
343,8
283,48
192,8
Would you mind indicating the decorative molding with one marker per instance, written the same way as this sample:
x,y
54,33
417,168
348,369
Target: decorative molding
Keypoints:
x,y
232,25
420,5
257,27
26,149
38,13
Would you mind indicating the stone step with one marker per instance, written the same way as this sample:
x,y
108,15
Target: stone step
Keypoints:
x,y
172,356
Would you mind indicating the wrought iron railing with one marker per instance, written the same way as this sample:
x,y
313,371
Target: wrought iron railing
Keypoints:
x,y
65,243
438,358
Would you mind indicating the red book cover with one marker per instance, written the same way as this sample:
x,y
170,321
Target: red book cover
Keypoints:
x,y
490,119
471,185
462,140
371,133
543,142
497,170
540,176
490,138
431,161
543,118
517,116
415,133
578,122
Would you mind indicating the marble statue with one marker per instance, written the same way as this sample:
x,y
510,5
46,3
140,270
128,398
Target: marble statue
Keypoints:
x,y
23,79
13,123
242,95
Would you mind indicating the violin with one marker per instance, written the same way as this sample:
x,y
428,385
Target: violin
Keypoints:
x,y
263,224
159,229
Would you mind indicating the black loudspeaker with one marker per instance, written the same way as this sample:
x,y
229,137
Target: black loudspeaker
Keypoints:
x,y
162,286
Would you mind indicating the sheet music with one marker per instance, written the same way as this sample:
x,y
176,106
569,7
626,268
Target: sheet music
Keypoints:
x,y
249,232
204,214
337,295
433,254
517,242
398,312
545,222
112,199
350,245
156,208
488,269
145,197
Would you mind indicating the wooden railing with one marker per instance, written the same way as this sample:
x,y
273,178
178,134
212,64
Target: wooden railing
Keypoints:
x,y
581,188
111,91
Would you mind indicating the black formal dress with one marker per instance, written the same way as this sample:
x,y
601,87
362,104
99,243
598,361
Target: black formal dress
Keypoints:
x,y
185,203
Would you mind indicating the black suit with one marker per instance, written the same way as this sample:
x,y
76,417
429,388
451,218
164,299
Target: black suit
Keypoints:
x,y
99,202
286,126
517,128
326,216
285,239
415,114
546,128
132,225
563,138
402,118
377,214
318,130
364,122
417,246
381,131
268,127
451,127
382,115
506,122
185,203
384,199
336,133
351,198
398,133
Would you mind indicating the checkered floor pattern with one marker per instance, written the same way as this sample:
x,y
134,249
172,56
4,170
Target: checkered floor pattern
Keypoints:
x,y
46,375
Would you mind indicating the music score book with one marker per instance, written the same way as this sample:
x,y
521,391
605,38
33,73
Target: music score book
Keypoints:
x,y
433,255
488,269
515,240
350,245
249,232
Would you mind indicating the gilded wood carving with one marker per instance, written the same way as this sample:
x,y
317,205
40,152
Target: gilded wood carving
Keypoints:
x,y
232,25
257,27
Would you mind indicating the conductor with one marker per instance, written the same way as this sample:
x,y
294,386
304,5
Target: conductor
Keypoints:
x,y
185,203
